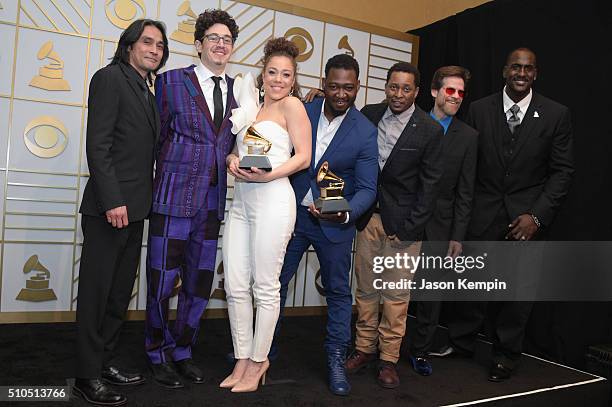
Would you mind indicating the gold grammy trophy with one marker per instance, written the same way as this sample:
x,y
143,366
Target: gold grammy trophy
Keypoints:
x,y
257,147
51,76
331,186
186,28
37,287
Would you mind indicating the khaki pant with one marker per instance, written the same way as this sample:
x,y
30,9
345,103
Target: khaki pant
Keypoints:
x,y
386,334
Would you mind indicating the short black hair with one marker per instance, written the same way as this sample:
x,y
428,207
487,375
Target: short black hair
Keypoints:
x,y
405,67
521,49
131,35
342,61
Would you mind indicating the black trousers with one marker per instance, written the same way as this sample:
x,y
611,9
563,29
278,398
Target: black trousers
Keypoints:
x,y
427,312
109,262
508,319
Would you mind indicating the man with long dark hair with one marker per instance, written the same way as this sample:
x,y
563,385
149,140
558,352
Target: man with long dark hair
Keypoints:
x,y
122,127
195,104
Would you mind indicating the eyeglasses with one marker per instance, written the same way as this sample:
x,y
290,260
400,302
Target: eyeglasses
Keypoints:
x,y
451,91
214,38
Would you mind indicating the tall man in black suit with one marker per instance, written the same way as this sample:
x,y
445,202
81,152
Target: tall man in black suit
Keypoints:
x,y
409,159
122,129
447,227
525,166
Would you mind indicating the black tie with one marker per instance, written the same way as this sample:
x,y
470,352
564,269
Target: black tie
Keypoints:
x,y
513,120
218,100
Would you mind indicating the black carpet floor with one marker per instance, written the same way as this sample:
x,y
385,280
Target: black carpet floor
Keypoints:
x,y
43,354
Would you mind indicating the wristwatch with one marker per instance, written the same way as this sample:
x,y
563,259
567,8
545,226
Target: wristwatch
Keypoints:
x,y
536,220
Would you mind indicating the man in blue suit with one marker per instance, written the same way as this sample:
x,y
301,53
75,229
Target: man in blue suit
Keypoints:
x,y
346,139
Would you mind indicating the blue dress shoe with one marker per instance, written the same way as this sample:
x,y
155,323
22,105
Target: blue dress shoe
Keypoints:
x,y
338,382
421,365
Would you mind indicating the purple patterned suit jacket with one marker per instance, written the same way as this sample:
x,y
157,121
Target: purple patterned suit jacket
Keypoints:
x,y
190,151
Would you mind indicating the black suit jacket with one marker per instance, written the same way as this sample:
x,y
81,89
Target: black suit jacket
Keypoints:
x,y
451,215
536,178
407,185
122,129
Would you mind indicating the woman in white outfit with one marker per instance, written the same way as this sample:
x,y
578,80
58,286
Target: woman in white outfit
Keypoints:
x,y
262,216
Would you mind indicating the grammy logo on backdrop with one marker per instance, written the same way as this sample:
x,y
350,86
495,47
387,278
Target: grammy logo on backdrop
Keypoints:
x,y
219,292
344,44
186,28
50,76
37,287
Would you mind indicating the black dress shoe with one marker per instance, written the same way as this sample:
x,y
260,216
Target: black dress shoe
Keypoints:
x,y
95,392
112,375
165,375
189,370
499,373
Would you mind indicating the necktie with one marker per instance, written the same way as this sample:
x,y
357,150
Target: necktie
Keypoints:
x,y
514,121
218,100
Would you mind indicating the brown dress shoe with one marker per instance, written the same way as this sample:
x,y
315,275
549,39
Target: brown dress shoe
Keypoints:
x,y
387,375
358,360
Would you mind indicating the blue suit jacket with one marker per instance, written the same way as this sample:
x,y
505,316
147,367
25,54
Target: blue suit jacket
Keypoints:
x,y
353,156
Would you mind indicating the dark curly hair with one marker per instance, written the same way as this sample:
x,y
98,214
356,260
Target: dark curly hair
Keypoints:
x,y
280,47
211,17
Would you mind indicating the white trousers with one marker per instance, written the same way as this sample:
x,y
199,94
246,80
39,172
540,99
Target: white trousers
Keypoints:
x,y
255,238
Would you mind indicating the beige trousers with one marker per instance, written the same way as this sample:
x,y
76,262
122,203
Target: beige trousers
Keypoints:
x,y
385,333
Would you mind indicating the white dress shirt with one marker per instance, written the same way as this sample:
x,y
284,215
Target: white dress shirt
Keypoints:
x,y
523,104
326,131
208,86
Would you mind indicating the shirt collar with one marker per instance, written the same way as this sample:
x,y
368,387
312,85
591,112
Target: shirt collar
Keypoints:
x,y
205,73
523,104
403,117
335,119
445,123
135,75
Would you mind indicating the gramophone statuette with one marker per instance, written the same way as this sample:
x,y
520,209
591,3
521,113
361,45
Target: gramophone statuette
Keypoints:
x,y
331,187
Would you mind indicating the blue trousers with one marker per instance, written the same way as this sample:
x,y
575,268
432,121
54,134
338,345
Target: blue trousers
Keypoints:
x,y
335,262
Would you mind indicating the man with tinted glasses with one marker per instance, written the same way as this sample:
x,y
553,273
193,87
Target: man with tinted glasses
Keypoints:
x,y
524,171
447,227
188,197
410,167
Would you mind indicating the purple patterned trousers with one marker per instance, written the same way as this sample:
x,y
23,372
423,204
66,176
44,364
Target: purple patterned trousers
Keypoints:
x,y
185,247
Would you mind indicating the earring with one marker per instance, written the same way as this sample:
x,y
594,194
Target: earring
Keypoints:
x,y
291,93
262,92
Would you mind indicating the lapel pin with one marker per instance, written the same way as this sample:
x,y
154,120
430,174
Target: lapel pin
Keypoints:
x,y
535,114
413,124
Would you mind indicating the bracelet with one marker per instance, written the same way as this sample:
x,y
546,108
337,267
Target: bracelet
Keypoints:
x,y
536,220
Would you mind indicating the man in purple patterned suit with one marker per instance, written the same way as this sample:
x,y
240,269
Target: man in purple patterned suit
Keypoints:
x,y
188,196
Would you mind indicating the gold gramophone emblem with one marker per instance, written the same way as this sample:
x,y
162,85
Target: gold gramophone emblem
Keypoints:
x,y
51,76
186,28
124,11
219,292
344,44
257,148
331,187
37,287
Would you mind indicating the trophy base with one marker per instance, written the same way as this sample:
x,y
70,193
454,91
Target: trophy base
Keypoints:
x,y
258,161
332,205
